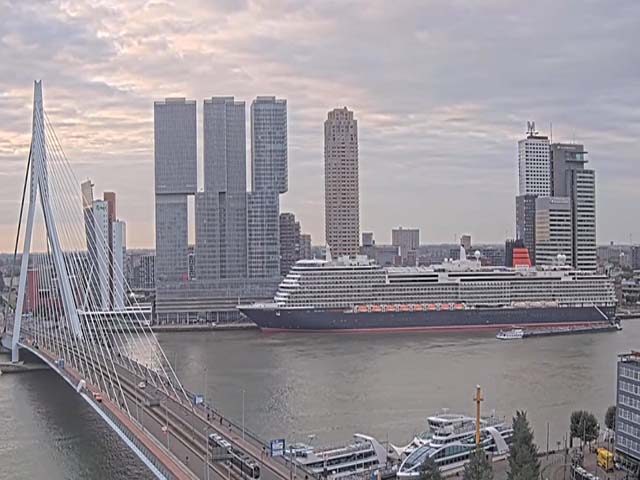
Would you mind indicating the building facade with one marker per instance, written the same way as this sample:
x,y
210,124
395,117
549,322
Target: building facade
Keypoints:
x,y
534,171
341,183
175,165
553,230
268,181
221,209
571,179
290,248
627,436
526,223
407,240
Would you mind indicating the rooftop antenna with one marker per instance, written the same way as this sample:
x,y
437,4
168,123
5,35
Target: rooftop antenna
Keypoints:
x,y
551,131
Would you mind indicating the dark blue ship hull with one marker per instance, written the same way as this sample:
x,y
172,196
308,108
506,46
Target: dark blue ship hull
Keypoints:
x,y
271,319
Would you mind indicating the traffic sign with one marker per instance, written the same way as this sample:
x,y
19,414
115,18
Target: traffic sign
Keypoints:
x,y
277,447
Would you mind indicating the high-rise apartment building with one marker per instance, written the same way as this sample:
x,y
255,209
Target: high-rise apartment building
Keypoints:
x,y
341,184
305,246
175,162
268,181
221,209
465,241
553,230
570,179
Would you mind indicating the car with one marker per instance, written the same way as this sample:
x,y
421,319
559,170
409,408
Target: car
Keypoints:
x,y
152,402
142,384
97,397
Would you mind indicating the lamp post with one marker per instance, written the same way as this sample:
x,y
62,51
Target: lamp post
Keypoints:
x,y
243,414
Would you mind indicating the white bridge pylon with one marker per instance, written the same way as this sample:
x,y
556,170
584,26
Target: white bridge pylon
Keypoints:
x,y
39,182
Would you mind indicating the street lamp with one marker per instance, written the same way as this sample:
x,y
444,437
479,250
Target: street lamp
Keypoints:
x,y
243,414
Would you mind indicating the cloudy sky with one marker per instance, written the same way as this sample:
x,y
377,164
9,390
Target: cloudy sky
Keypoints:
x,y
442,91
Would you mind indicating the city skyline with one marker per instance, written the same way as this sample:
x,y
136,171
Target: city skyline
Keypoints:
x,y
415,124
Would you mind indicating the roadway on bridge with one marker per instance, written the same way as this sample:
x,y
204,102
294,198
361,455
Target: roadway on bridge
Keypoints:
x,y
180,430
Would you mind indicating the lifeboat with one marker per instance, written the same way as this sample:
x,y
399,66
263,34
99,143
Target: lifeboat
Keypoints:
x,y
376,308
417,307
363,309
444,306
404,308
391,308
431,306
458,306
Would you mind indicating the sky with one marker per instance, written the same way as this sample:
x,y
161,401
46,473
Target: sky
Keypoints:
x,y
442,91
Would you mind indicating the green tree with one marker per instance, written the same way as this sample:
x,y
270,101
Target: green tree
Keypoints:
x,y
584,426
429,470
523,458
610,418
478,467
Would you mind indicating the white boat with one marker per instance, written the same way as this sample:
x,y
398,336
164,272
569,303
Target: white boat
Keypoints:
x,y
452,444
364,455
513,334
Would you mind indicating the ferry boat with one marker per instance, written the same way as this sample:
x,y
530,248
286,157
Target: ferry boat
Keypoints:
x,y
358,295
364,455
452,443
513,334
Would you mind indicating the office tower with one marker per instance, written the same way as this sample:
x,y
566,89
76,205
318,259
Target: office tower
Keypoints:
x,y
142,272
407,240
118,253
534,171
553,230
221,209
289,242
305,246
110,198
341,187
570,179
465,241
268,181
98,248
175,163
627,437
534,180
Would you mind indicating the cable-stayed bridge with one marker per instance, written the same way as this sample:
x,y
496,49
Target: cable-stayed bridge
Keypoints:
x,y
103,348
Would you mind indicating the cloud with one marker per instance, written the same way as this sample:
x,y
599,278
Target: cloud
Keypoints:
x,y
441,89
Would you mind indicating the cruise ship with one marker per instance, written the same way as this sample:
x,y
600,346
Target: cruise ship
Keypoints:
x,y
354,460
358,295
452,441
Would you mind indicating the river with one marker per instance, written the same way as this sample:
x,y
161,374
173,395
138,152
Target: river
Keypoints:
x,y
330,386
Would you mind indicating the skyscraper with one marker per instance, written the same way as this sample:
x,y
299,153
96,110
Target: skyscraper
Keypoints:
x,y
175,165
268,181
571,179
534,180
341,184
221,210
534,171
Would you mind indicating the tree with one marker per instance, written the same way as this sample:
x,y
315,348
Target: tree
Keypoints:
x,y
610,418
478,467
584,426
429,470
523,458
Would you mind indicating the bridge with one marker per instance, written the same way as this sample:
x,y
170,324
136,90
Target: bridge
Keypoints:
x,y
110,356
